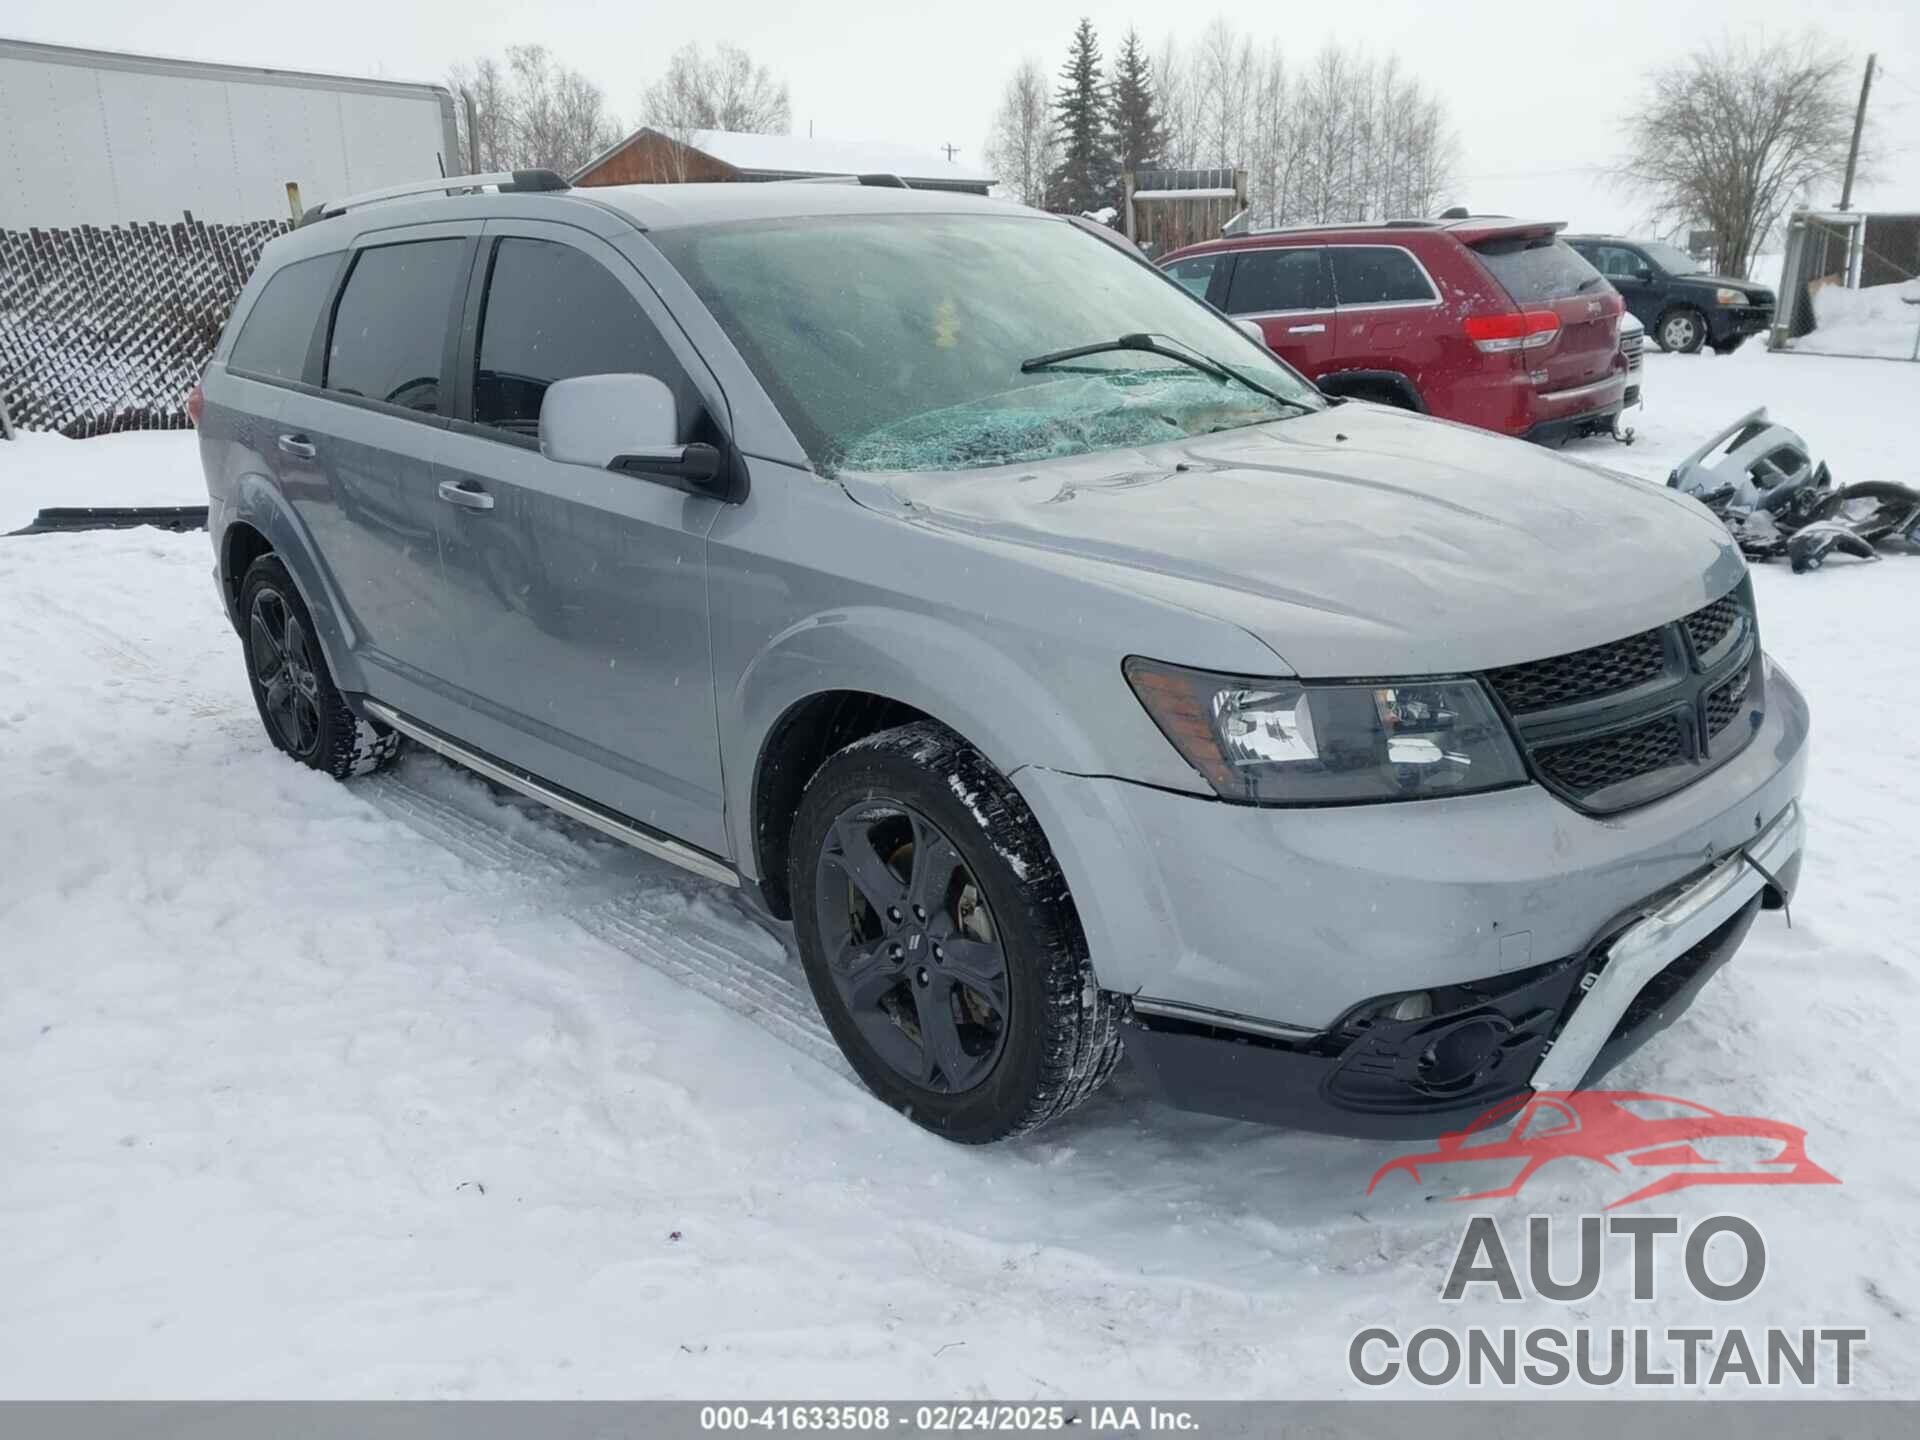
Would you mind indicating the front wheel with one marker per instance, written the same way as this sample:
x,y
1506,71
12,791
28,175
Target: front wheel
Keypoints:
x,y
1682,331
939,941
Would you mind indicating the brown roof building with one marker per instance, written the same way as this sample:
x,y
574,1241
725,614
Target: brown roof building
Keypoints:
x,y
650,156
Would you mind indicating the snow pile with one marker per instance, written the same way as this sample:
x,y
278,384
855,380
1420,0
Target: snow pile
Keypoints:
x,y
135,467
1880,320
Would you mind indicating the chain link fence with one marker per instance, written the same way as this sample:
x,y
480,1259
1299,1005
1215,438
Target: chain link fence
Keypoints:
x,y
1850,285
105,329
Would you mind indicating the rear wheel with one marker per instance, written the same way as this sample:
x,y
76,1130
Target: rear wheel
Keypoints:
x,y
298,702
939,941
1682,331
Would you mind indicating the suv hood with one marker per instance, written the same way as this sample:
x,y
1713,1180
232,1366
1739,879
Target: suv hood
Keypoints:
x,y
1356,541
1716,282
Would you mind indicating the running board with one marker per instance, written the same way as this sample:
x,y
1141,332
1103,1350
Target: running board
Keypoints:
x,y
706,866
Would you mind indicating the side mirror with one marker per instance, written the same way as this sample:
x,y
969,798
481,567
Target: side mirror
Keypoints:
x,y
1251,329
1644,275
628,423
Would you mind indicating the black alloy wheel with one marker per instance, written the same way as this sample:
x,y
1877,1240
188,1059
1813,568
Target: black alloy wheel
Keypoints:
x,y
303,711
912,947
283,669
940,940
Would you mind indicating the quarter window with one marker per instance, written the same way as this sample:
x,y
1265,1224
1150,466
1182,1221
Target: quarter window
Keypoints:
x,y
1195,275
390,327
278,331
1276,279
1378,275
552,313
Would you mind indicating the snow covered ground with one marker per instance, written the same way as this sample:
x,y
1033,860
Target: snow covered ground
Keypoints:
x,y
402,1089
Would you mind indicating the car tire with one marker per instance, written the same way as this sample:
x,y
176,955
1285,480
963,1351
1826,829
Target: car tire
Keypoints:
x,y
1682,330
294,692
939,940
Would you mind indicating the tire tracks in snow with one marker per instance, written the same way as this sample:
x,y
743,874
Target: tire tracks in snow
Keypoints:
x,y
617,896
695,933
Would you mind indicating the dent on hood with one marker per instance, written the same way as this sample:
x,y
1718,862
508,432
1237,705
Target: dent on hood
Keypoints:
x,y
1356,541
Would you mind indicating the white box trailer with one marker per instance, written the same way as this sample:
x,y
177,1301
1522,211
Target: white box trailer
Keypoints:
x,y
93,137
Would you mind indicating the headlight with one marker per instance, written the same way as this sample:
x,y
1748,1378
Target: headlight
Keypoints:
x,y
1281,742
1727,296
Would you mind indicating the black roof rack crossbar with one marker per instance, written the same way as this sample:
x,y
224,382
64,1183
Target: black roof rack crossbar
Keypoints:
x,y
506,182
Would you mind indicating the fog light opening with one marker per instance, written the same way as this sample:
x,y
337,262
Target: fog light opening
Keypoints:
x,y
1461,1053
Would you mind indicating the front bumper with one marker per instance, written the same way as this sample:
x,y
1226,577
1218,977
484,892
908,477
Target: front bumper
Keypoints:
x,y
1733,322
1574,427
1264,931
1558,1027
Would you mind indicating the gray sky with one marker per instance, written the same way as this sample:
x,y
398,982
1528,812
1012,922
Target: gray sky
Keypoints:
x,y
1537,89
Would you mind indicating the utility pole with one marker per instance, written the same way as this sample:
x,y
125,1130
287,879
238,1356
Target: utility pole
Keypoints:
x,y
952,150
1853,150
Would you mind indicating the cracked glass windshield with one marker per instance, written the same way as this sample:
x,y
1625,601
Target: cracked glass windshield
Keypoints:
x,y
896,342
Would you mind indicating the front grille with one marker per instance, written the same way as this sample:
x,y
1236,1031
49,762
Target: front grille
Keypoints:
x,y
1709,626
1725,703
1617,725
1584,766
1582,675
1630,347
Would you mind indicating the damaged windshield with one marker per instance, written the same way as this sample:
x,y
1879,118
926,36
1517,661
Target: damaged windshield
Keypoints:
x,y
897,342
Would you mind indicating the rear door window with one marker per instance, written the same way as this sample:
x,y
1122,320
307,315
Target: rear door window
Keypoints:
x,y
278,331
1537,268
1378,275
553,313
1613,262
1269,280
390,328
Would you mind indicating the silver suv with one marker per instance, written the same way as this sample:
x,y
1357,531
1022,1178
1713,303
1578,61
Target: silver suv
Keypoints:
x,y
1065,667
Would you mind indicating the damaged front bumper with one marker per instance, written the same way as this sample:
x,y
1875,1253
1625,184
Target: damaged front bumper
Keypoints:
x,y
1559,1026
1303,966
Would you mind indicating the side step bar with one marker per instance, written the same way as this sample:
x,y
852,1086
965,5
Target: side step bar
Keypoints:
x,y
709,867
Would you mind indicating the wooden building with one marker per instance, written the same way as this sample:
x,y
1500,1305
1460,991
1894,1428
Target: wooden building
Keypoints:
x,y
1165,209
654,157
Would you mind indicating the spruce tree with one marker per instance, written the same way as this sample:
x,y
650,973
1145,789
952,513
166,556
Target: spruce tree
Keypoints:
x,y
1139,132
1087,173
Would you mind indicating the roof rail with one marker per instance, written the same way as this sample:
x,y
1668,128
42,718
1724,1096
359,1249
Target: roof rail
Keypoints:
x,y
884,181
505,182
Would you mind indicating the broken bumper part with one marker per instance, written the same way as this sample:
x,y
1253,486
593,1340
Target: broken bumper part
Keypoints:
x,y
1559,1026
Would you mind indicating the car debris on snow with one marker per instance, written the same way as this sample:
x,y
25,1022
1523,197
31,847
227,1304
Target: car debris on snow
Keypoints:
x,y
1762,482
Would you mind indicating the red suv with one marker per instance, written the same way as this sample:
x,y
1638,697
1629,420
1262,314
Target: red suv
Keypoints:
x,y
1492,322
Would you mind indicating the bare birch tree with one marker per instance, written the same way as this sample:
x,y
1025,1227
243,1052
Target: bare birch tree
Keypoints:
x,y
1735,133
530,113
1022,144
727,90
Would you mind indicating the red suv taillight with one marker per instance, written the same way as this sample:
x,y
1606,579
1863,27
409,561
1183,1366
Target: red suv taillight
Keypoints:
x,y
1522,330
196,405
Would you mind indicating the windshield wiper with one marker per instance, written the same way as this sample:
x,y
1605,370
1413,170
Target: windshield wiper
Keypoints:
x,y
1590,280
1149,345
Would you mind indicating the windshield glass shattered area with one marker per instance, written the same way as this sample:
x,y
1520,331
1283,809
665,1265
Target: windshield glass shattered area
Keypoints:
x,y
1119,409
895,342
